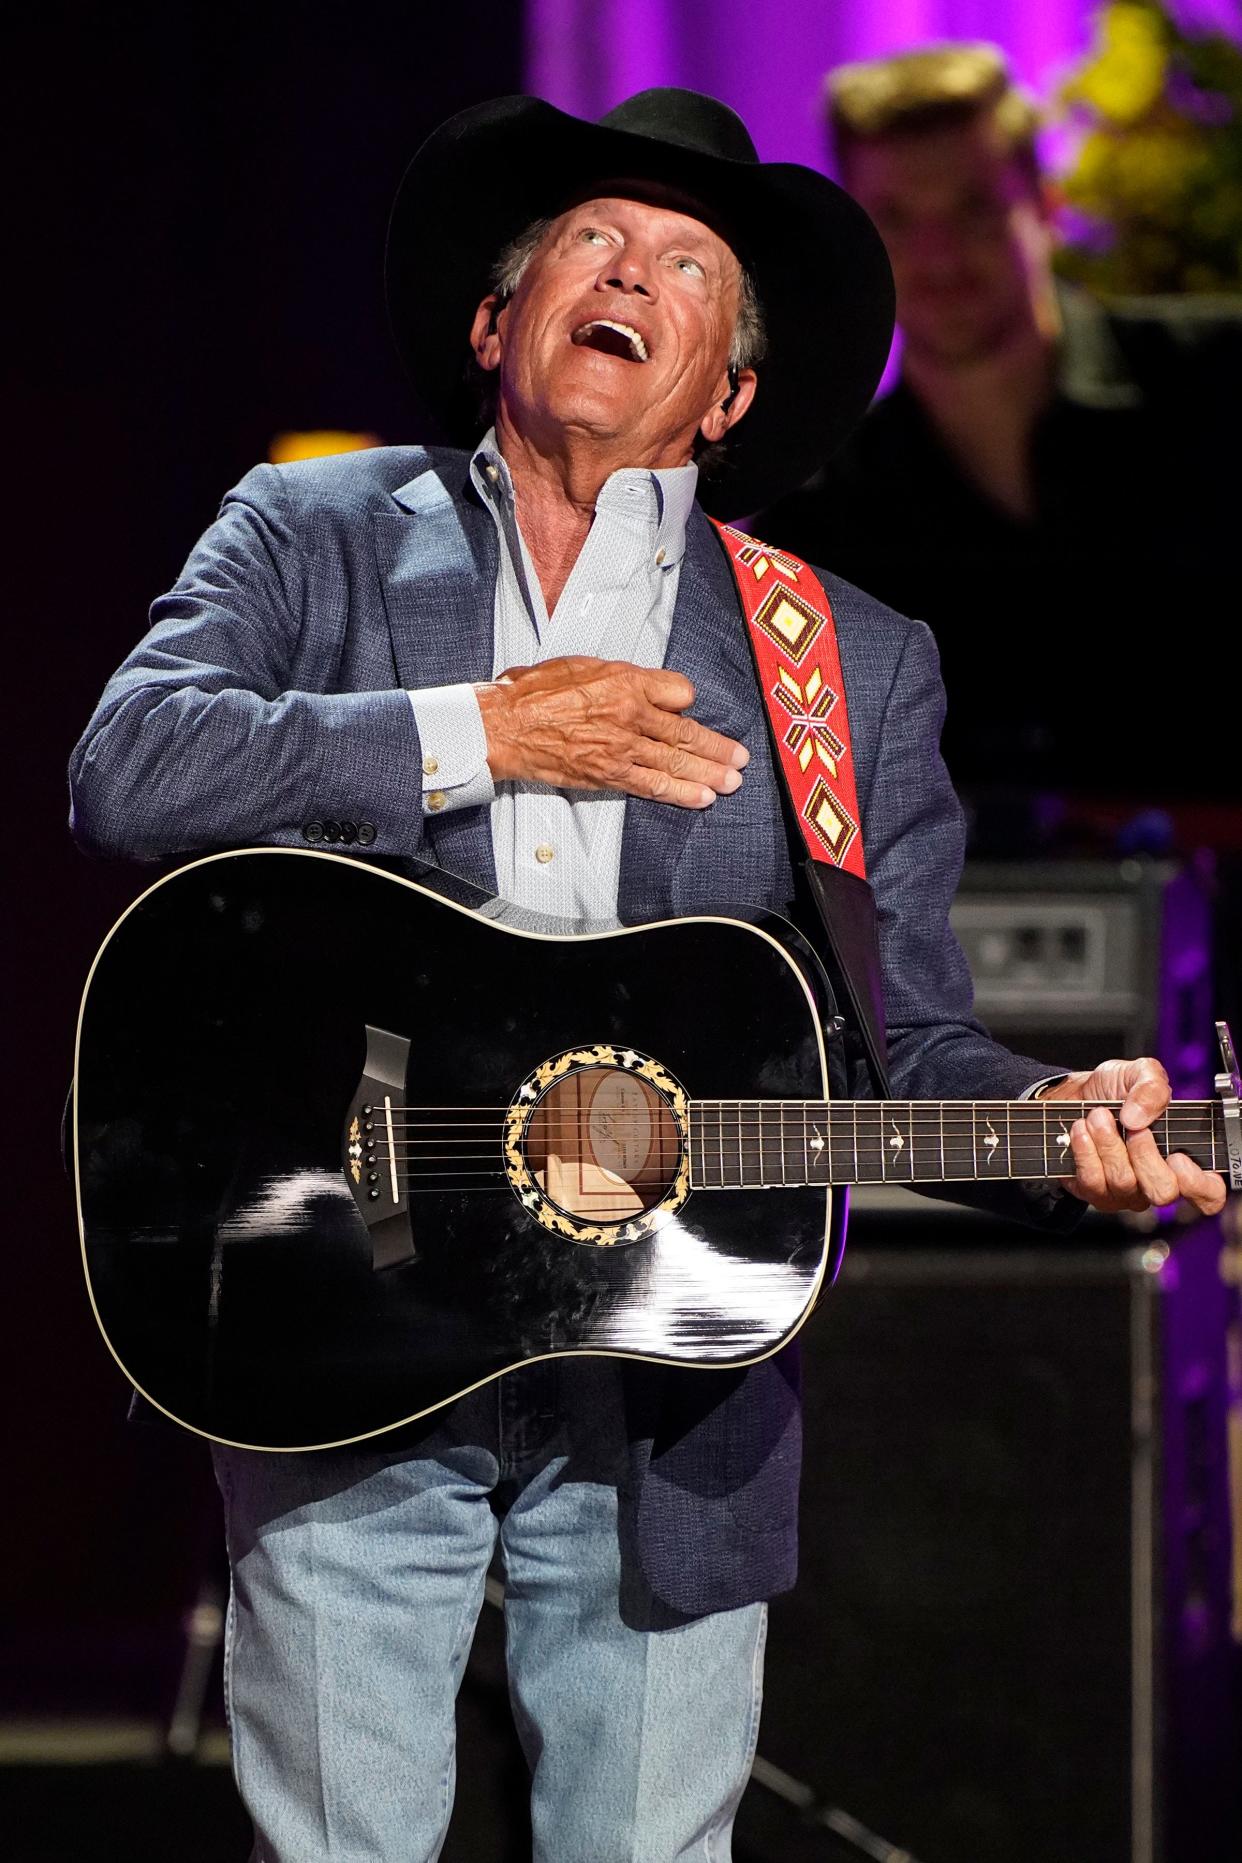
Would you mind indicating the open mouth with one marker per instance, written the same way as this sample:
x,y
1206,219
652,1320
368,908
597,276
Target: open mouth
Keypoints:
x,y
612,338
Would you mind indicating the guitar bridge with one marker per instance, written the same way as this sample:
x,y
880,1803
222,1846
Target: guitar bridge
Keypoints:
x,y
371,1149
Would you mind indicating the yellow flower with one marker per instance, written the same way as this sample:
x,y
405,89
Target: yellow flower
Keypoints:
x,y
1127,77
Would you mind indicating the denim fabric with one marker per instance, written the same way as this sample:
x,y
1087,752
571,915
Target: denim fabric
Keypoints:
x,y
357,1581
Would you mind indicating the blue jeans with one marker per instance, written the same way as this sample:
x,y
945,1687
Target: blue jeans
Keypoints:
x,y
357,1581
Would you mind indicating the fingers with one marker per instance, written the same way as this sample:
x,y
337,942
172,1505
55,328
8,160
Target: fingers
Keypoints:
x,y
1103,1174
1205,1189
683,766
1113,1173
663,786
1154,1174
671,691
684,734
1147,1093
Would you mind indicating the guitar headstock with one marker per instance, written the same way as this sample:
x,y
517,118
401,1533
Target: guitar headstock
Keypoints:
x,y
1229,1088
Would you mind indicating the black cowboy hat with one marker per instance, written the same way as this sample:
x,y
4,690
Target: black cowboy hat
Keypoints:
x,y
817,262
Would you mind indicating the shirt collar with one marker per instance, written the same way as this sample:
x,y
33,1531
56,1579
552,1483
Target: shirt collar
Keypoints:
x,y
658,502
1092,369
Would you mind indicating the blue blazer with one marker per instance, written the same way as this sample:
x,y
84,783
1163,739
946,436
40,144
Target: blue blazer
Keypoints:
x,y
270,693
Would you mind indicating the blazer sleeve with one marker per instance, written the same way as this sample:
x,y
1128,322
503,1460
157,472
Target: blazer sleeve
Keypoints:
x,y
198,740
915,843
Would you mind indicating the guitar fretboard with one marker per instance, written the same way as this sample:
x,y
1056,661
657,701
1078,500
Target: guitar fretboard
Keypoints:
x,y
763,1144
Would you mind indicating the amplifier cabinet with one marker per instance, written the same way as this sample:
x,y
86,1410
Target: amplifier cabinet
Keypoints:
x,y
1074,961
1010,1638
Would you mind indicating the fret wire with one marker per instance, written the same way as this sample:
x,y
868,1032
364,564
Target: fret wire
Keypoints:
x,y
723,1179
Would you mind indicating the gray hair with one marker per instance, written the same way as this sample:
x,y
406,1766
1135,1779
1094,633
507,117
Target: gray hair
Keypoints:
x,y
749,337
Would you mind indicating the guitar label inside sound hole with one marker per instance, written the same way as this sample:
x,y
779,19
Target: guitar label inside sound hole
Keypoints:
x,y
603,1145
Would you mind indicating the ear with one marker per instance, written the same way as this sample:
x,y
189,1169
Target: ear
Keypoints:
x,y
484,338
718,419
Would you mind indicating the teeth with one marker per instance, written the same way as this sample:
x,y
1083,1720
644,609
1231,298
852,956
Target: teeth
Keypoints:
x,y
626,330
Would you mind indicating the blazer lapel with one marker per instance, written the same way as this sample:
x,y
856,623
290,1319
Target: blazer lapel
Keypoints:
x,y
437,553
707,643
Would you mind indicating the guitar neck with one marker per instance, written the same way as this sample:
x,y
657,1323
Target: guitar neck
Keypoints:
x,y
763,1144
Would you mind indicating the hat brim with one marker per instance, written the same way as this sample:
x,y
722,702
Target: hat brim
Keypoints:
x,y
819,266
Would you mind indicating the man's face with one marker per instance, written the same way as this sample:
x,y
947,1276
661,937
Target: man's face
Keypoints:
x,y
620,329
967,231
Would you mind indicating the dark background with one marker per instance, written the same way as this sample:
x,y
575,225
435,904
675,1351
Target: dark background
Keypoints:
x,y
200,199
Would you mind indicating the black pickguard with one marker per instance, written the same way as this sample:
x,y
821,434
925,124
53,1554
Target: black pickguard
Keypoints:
x,y
221,1041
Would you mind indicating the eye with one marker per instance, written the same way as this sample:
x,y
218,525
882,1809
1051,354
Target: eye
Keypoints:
x,y
593,235
690,266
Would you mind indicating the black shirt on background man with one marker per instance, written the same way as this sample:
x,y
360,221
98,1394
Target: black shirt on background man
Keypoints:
x,y
1111,616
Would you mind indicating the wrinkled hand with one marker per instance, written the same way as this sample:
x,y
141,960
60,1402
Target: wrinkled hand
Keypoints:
x,y
1123,1169
580,723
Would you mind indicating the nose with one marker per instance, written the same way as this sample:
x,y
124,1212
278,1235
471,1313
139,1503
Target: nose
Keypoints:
x,y
628,271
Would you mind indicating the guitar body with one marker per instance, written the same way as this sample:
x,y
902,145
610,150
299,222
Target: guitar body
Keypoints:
x,y
239,1047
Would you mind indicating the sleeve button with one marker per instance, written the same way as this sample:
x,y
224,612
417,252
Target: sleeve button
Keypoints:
x,y
332,831
313,831
366,833
349,832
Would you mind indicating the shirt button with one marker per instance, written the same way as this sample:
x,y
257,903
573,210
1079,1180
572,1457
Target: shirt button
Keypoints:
x,y
659,556
544,854
430,765
436,799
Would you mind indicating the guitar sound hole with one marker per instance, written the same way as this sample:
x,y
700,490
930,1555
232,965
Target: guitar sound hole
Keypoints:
x,y
603,1145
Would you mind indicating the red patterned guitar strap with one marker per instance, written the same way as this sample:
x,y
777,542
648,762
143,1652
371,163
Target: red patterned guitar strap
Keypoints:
x,y
794,641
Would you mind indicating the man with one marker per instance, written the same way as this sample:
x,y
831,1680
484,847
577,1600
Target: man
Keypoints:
x,y
524,661
1044,486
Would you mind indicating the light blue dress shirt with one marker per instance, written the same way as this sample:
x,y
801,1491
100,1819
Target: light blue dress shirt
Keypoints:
x,y
559,851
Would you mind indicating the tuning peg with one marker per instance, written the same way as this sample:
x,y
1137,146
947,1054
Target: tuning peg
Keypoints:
x,y
1230,1091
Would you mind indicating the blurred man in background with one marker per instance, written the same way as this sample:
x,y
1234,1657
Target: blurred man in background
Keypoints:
x,y
1047,486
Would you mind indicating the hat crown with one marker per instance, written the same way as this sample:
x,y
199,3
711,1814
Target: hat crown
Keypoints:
x,y
688,118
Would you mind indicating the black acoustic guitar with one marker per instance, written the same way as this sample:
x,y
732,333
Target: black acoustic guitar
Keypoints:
x,y
345,1149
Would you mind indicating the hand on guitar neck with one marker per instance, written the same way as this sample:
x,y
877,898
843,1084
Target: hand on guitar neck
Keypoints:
x,y
1119,1166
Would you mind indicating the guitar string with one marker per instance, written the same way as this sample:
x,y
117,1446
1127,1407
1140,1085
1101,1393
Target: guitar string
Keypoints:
x,y
837,1131
1030,1143
1030,1113
762,1128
